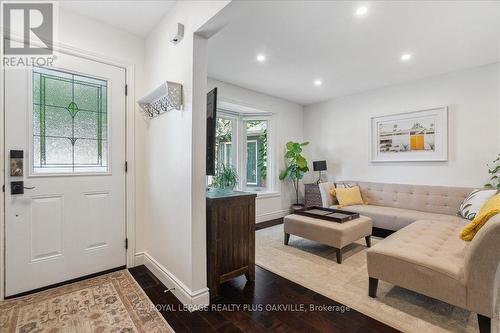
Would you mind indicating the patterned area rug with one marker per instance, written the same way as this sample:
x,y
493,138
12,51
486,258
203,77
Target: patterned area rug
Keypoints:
x,y
313,266
110,303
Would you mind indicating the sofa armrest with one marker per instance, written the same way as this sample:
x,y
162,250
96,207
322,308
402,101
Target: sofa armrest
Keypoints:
x,y
324,190
482,269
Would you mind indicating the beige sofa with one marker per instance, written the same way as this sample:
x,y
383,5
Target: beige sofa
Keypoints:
x,y
394,206
426,255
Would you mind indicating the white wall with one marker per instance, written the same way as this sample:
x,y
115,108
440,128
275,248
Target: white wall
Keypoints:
x,y
174,235
339,130
287,126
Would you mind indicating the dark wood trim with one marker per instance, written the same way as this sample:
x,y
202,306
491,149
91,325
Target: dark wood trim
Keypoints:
x,y
233,274
372,287
267,224
55,285
484,324
382,233
368,240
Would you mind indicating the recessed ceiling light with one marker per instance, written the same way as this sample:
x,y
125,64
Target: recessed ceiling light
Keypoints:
x,y
406,57
261,57
318,82
361,11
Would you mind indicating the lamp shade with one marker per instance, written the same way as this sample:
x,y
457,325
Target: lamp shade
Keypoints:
x,y
319,165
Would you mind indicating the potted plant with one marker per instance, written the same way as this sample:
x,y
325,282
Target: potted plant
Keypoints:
x,y
225,178
494,171
296,167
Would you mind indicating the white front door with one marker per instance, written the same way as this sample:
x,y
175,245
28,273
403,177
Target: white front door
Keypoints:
x,y
69,122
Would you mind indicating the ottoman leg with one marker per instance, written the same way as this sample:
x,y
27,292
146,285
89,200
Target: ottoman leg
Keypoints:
x,y
484,324
372,287
368,241
286,239
339,255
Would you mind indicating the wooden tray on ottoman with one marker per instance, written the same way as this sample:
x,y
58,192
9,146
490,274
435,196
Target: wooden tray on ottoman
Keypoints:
x,y
328,214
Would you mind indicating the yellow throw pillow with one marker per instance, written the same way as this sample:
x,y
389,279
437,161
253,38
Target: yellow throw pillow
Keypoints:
x,y
349,196
489,209
332,191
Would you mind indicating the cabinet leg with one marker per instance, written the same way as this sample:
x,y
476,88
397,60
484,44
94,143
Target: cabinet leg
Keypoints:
x,y
484,324
250,275
368,240
286,239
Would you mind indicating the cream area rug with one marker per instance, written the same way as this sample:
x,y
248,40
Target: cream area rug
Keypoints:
x,y
110,303
313,266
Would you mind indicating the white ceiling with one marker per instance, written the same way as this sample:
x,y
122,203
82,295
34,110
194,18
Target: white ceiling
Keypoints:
x,y
306,40
137,17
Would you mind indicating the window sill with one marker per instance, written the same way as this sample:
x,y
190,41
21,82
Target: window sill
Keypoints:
x,y
265,195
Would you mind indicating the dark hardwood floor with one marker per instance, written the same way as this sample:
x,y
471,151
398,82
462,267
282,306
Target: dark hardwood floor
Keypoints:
x,y
253,305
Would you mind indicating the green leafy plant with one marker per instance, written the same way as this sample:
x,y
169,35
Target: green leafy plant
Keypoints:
x,y
296,165
262,156
226,177
494,171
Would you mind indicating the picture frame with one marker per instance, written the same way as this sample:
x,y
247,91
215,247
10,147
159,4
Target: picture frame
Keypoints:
x,y
415,136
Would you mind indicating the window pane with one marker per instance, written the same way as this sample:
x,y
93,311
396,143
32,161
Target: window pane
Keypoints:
x,y
257,151
59,152
223,142
252,162
57,91
86,153
58,122
86,96
69,122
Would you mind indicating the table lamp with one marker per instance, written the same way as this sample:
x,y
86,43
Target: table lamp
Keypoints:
x,y
319,166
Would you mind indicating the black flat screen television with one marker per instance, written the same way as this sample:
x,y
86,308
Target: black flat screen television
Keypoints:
x,y
211,125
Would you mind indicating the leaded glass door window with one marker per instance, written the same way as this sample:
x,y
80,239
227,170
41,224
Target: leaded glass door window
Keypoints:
x,y
70,122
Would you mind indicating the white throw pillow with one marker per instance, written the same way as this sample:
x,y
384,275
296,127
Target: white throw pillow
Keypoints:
x,y
473,203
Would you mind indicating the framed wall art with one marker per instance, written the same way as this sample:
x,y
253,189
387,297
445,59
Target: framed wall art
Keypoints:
x,y
412,136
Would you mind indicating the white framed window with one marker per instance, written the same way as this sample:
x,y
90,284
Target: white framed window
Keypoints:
x,y
244,141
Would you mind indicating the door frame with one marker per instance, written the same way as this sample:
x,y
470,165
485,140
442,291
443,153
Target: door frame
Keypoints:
x,y
130,224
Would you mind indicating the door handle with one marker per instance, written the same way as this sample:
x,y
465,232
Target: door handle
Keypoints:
x,y
18,187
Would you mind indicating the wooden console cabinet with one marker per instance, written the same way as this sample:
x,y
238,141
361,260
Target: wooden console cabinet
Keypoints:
x,y
230,237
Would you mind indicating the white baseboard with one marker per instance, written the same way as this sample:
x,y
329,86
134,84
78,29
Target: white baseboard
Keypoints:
x,y
139,258
272,215
193,300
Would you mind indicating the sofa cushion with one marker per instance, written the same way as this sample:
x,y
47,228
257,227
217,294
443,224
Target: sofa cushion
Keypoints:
x,y
427,256
473,203
326,198
489,209
392,218
349,196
